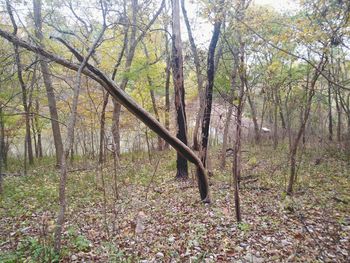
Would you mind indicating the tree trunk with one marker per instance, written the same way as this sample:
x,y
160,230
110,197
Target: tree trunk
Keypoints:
x,y
230,109
339,119
70,142
28,140
102,154
2,146
177,67
254,118
198,75
167,90
209,88
48,84
153,100
330,117
307,108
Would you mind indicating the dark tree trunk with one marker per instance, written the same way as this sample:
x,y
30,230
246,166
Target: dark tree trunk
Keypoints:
x,y
209,89
177,67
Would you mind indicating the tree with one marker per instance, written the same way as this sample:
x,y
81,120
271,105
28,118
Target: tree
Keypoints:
x,y
48,83
28,149
118,94
210,78
178,80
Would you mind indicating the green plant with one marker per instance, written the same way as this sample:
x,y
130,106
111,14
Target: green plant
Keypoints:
x,y
245,227
81,243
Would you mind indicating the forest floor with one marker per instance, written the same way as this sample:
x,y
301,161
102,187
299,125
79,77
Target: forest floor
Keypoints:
x,y
157,219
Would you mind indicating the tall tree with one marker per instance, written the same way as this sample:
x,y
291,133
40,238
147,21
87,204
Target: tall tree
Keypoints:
x,y
198,75
28,149
56,132
210,77
178,79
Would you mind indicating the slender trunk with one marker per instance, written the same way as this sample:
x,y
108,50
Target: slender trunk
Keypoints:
x,y
209,88
198,75
230,109
275,127
28,140
237,153
36,150
339,119
2,146
102,154
307,108
330,117
153,100
167,90
254,118
70,143
48,85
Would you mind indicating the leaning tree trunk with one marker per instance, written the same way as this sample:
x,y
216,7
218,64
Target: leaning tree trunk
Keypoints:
x,y
178,79
118,94
48,84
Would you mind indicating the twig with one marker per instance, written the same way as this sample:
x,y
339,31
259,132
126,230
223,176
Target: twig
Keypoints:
x,y
153,175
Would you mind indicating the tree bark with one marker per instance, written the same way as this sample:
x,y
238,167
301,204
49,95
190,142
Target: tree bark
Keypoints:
x,y
2,147
56,132
28,140
330,116
198,75
209,88
178,79
254,118
167,89
230,109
